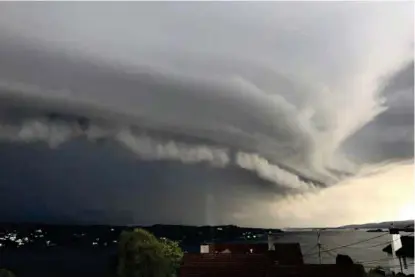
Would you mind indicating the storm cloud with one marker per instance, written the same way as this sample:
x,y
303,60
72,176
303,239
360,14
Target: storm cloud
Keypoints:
x,y
205,107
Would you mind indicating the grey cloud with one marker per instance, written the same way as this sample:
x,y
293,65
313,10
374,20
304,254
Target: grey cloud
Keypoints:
x,y
401,80
391,135
233,113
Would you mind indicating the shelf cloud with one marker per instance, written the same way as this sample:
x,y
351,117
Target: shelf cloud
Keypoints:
x,y
262,100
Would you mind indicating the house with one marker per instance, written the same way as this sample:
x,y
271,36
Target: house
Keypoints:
x,y
285,260
282,253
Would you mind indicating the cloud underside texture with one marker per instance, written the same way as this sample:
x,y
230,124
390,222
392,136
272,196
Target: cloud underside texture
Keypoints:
x,y
216,130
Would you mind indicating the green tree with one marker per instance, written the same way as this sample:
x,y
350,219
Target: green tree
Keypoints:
x,y
173,252
6,273
141,254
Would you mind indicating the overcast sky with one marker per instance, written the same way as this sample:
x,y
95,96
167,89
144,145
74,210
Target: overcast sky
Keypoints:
x,y
207,112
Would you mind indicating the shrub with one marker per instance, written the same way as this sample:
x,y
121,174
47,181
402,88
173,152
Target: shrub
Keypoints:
x,y
141,254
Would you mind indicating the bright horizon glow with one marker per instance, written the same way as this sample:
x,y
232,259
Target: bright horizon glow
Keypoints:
x,y
387,195
407,212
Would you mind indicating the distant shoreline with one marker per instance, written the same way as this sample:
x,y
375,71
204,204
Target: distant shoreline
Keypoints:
x,y
379,225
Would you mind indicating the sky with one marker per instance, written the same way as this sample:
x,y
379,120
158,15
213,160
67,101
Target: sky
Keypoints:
x,y
268,114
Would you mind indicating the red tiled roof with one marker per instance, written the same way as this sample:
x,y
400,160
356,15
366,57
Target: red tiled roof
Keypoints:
x,y
219,272
209,262
275,271
258,265
284,253
311,270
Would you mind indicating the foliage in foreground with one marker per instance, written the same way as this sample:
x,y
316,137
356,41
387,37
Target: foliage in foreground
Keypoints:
x,y
141,254
6,273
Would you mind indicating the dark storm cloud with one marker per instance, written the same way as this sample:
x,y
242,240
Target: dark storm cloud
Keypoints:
x,y
101,183
220,106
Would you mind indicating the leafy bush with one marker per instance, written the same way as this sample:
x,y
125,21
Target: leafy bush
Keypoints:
x,y
141,254
173,253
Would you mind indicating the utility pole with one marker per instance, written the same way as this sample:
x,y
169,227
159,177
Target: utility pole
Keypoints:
x,y
319,245
400,264
209,211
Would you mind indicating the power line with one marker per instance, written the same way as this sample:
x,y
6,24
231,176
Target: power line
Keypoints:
x,y
354,243
329,252
309,250
359,262
378,260
319,246
395,266
384,243
364,263
370,264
